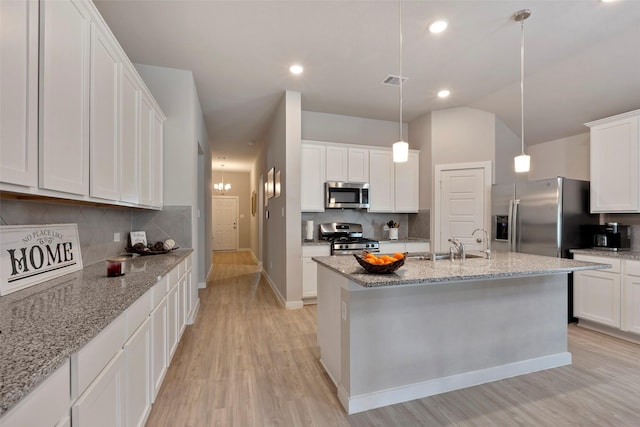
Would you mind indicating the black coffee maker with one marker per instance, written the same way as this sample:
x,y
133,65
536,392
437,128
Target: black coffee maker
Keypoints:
x,y
611,236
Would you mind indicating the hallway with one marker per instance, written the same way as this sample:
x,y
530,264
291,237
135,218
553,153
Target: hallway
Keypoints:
x,y
249,362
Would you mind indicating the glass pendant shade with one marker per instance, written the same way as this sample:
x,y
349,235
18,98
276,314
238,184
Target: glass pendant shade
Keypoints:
x,y
400,152
522,163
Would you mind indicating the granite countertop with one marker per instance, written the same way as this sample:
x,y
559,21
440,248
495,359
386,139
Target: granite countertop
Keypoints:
x,y
425,272
634,255
41,326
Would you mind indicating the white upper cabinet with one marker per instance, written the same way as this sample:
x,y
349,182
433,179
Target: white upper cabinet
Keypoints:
x,y
105,103
407,183
615,160
347,164
129,137
337,163
19,88
157,171
381,181
146,151
358,165
312,171
64,98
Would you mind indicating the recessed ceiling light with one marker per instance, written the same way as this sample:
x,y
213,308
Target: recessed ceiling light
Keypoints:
x,y
438,26
296,69
444,93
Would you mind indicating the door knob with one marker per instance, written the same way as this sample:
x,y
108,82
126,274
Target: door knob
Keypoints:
x,y
478,240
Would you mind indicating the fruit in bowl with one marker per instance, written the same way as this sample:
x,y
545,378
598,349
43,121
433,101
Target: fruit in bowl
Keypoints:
x,y
382,264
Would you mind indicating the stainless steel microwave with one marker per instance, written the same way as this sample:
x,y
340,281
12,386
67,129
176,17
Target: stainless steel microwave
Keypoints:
x,y
346,195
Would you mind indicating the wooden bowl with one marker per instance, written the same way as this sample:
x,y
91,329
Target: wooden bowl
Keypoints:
x,y
379,268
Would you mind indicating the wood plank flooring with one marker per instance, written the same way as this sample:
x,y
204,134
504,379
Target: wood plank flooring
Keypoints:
x,y
249,362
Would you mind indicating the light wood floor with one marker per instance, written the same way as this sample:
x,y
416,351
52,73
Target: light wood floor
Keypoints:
x,y
249,362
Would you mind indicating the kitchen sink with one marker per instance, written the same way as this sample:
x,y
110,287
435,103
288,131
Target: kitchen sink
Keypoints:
x,y
443,255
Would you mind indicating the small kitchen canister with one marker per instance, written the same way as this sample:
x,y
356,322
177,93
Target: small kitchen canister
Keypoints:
x,y
115,266
393,234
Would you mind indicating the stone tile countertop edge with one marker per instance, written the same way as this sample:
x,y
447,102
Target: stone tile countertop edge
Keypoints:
x,y
633,255
426,272
41,326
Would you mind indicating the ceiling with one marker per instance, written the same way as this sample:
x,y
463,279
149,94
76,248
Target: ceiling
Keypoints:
x,y
581,60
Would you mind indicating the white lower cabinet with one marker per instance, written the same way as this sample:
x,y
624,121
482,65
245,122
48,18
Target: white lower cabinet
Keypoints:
x,y
113,380
310,269
137,353
51,399
102,404
609,297
631,297
173,302
159,361
597,297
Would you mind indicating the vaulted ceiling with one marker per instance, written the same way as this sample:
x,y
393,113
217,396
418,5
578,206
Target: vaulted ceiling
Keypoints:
x,y
581,59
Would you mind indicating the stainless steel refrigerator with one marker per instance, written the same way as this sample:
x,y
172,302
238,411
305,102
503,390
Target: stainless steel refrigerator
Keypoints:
x,y
541,218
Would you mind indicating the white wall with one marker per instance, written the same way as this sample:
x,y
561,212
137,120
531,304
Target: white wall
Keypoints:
x,y
420,139
568,157
462,135
350,130
508,145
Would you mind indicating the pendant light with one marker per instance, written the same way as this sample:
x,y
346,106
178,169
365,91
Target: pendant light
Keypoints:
x,y
400,148
522,162
221,187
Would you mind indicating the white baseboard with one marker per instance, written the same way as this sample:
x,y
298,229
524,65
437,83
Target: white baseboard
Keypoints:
x,y
603,329
194,313
289,305
378,399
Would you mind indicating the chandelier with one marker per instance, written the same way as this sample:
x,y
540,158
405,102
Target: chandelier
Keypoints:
x,y
221,187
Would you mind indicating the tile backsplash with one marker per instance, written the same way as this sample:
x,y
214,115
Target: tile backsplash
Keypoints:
x,y
97,225
411,225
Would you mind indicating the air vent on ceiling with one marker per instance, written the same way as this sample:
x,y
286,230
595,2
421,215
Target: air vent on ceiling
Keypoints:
x,y
393,80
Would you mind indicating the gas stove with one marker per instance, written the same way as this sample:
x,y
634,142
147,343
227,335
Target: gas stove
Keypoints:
x,y
346,238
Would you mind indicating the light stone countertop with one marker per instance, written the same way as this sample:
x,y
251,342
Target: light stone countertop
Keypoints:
x,y
425,272
633,255
41,326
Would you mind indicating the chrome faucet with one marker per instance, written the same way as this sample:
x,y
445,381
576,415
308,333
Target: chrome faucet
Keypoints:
x,y
487,251
457,245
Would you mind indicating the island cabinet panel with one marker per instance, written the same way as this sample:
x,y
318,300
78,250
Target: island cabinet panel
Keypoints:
x,y
19,88
130,137
48,405
615,162
64,97
104,126
381,181
312,169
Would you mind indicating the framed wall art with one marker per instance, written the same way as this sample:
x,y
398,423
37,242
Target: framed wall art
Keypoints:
x,y
270,183
277,185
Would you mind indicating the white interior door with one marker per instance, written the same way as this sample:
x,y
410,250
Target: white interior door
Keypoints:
x,y
225,223
462,204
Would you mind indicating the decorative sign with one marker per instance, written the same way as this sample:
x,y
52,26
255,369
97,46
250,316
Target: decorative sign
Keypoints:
x,y
138,237
32,254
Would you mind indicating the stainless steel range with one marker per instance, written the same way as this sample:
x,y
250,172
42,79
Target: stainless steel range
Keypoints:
x,y
346,238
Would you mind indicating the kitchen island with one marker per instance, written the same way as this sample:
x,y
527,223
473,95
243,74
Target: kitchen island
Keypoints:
x,y
437,326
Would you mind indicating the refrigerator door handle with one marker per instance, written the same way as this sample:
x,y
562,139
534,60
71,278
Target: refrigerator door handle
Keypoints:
x,y
510,226
513,225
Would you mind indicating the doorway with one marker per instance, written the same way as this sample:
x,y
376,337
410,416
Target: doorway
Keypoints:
x,y
225,223
462,203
